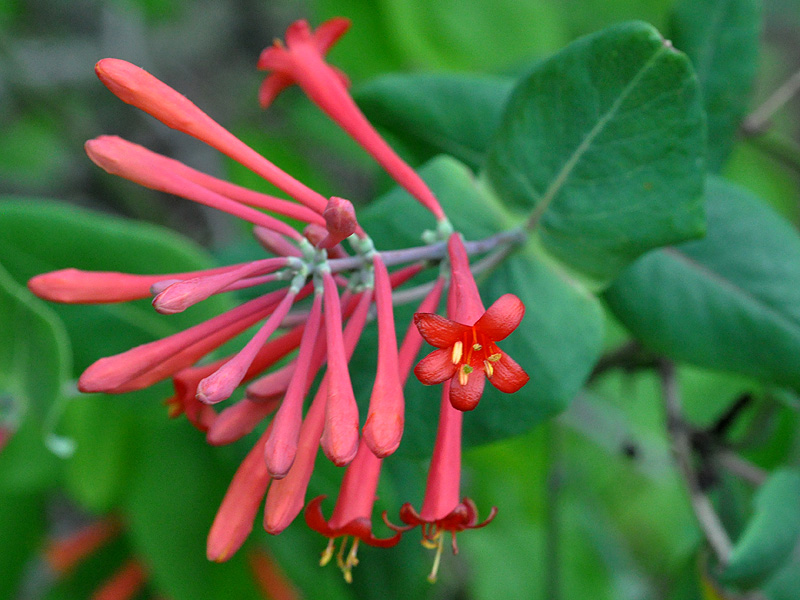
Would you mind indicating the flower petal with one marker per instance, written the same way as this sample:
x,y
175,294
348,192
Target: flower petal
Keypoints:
x,y
435,368
466,397
439,331
501,318
508,376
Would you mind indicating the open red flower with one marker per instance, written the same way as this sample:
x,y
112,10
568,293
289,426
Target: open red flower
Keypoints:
x,y
467,354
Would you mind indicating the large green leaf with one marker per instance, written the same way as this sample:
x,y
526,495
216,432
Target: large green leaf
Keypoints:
x,y
34,366
772,533
721,39
441,113
557,343
603,145
175,492
40,236
730,301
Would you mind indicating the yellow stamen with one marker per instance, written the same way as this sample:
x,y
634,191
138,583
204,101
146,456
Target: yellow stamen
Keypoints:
x,y
487,366
463,374
436,560
340,554
327,554
458,350
477,347
495,357
350,562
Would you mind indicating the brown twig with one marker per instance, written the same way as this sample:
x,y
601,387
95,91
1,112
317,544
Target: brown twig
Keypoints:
x,y
680,435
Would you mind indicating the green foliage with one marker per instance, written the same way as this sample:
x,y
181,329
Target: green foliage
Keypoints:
x,y
418,110
561,334
596,157
34,364
772,533
728,301
46,236
721,39
604,143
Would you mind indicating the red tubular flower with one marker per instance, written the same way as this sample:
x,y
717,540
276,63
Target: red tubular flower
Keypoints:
x,y
352,515
468,353
340,435
139,88
385,418
286,496
236,514
302,61
441,509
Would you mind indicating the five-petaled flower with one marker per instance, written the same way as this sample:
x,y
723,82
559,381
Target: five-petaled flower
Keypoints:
x,y
468,353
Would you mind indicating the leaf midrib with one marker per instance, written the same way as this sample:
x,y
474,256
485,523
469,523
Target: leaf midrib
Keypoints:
x,y
786,321
562,176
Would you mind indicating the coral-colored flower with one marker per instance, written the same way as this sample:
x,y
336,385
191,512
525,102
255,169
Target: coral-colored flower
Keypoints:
x,y
352,515
467,354
302,61
442,509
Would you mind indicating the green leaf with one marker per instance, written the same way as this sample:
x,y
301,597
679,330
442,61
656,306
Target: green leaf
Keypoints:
x,y
603,145
102,429
721,39
175,493
730,301
471,34
785,583
40,236
441,113
557,343
773,531
34,365
21,532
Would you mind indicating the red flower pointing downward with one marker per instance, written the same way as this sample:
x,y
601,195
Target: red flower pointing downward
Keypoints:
x,y
468,353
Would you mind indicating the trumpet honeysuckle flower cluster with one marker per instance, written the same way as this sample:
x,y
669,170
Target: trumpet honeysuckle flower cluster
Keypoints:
x,y
336,281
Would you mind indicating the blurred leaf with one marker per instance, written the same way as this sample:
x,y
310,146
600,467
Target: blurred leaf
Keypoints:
x,y
101,427
366,50
785,583
32,152
34,365
433,114
472,34
21,531
557,343
40,236
721,39
730,301
176,490
604,143
773,531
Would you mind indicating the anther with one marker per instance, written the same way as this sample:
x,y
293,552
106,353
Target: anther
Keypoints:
x,y
327,554
487,366
458,351
463,374
477,347
495,357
